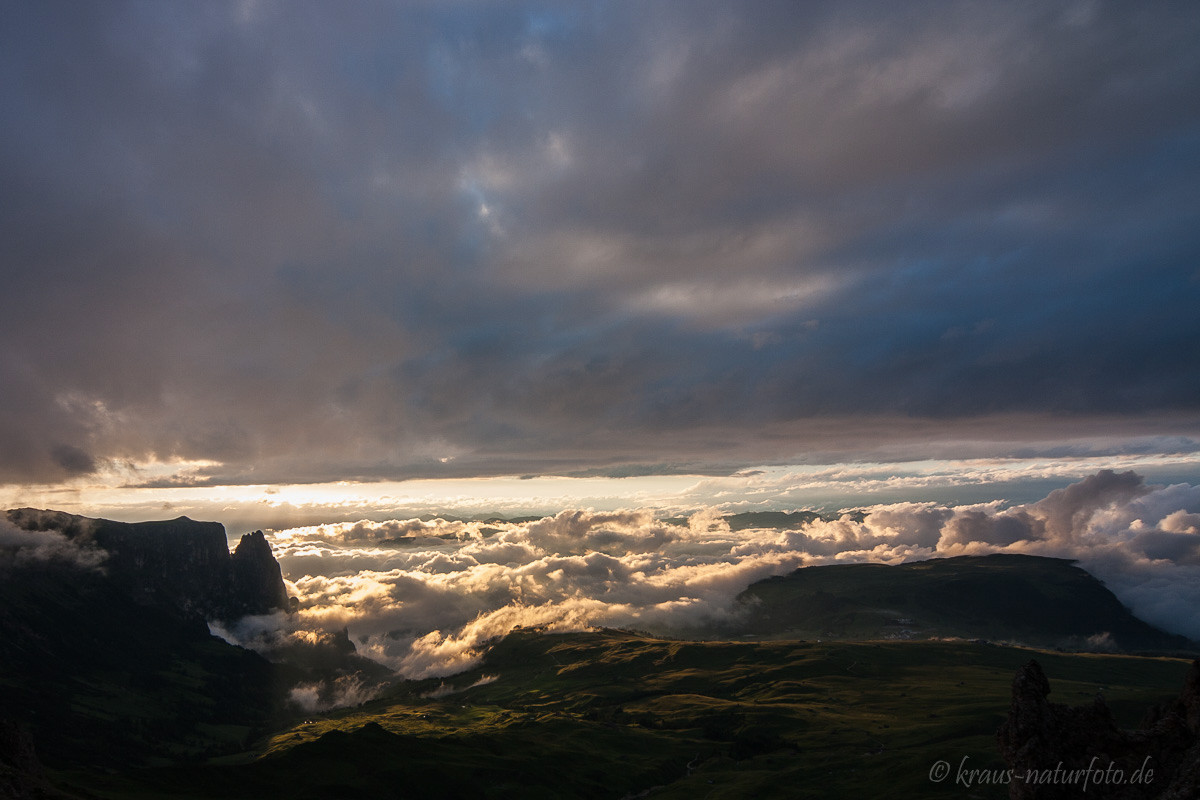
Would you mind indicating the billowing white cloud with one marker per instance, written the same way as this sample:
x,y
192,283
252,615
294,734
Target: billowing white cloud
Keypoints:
x,y
425,597
346,690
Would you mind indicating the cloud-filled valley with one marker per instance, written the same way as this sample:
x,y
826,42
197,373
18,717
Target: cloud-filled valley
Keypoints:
x,y
425,596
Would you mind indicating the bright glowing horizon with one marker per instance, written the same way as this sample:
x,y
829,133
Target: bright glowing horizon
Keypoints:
x,y
825,488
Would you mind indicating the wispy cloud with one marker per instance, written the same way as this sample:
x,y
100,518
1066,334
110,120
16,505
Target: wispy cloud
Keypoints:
x,y
19,547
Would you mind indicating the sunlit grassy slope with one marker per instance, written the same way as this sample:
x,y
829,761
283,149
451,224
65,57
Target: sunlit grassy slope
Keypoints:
x,y
612,714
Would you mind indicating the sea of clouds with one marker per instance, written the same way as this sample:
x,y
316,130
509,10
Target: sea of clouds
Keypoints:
x,y
425,597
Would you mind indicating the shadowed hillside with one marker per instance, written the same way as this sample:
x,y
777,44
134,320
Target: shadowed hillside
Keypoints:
x,y
609,714
1047,602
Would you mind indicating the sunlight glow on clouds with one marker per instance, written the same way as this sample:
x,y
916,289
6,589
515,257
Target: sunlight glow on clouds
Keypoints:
x,y
425,597
828,487
727,302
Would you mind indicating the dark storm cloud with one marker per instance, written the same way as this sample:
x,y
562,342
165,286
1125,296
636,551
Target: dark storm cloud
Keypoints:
x,y
73,460
452,238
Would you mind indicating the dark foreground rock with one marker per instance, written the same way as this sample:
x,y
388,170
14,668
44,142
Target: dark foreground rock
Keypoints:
x,y
21,774
1058,751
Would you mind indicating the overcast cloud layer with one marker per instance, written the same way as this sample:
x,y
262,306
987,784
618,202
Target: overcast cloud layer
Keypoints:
x,y
294,241
425,597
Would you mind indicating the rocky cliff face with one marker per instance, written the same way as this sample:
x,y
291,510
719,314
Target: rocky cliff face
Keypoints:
x,y
256,581
179,564
1054,750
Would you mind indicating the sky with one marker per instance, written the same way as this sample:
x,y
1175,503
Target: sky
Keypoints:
x,y
283,263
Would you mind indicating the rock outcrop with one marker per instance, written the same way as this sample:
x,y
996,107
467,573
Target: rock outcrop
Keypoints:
x,y
1054,750
178,564
21,774
256,581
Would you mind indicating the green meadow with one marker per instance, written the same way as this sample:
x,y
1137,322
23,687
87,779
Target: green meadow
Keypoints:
x,y
611,714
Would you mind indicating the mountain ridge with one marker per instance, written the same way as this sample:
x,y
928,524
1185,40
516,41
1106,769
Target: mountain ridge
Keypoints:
x,y
180,563
1035,600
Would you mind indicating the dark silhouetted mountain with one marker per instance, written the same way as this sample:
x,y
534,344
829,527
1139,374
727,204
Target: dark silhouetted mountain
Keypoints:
x,y
1041,740
114,665
256,581
180,564
1047,602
